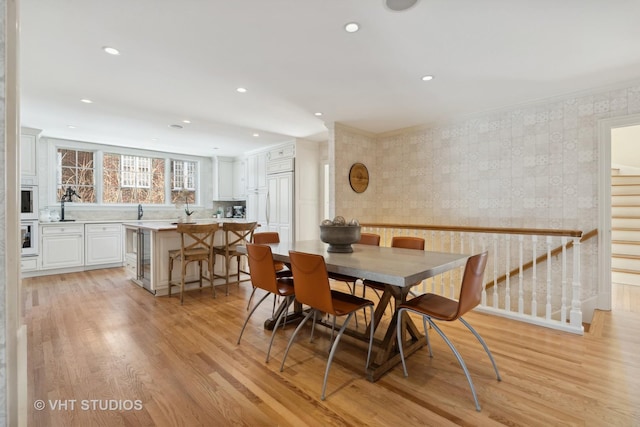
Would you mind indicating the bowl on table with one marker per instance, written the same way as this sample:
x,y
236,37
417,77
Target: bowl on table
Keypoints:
x,y
340,237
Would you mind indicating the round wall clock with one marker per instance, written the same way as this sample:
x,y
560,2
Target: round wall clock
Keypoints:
x,y
358,177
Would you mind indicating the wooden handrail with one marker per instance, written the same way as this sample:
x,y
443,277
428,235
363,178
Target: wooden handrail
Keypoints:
x,y
465,229
541,258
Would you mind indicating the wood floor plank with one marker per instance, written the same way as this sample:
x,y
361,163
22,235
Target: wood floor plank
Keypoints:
x,y
96,336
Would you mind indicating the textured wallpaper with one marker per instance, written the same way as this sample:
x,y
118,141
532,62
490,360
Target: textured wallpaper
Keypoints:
x,y
532,165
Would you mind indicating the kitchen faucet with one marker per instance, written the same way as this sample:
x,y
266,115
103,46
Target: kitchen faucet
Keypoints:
x,y
67,197
140,212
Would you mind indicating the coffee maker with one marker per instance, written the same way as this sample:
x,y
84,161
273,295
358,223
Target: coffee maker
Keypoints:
x,y
238,211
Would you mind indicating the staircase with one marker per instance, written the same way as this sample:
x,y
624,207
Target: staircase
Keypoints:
x,y
625,229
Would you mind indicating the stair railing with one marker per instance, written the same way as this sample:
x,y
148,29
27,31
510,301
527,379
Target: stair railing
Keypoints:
x,y
530,274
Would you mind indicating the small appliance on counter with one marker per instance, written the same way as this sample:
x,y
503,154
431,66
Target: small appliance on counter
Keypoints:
x,y
238,211
228,212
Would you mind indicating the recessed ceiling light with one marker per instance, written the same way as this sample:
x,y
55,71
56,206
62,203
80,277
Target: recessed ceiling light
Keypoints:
x,y
71,126
86,101
427,78
186,121
241,90
111,50
216,148
351,27
256,135
174,126
317,114
154,139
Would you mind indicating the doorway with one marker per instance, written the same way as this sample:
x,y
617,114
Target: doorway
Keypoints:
x,y
605,136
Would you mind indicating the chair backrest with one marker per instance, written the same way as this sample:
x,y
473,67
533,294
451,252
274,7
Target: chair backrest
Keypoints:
x,y
369,239
237,233
266,237
311,281
197,236
263,272
472,280
407,242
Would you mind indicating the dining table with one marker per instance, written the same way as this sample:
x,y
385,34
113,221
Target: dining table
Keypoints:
x,y
398,269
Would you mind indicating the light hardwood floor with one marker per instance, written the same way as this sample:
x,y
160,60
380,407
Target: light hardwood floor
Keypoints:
x,y
96,336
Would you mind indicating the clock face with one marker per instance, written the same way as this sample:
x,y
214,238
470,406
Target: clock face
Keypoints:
x,y
358,177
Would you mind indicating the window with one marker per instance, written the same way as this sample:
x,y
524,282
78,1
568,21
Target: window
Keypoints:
x,y
132,179
183,181
76,169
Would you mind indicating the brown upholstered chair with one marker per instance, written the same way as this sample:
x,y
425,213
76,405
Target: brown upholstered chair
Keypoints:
x,y
311,284
432,306
263,276
196,245
235,234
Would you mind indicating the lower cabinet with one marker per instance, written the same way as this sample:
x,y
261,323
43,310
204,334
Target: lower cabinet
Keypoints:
x,y
103,244
62,246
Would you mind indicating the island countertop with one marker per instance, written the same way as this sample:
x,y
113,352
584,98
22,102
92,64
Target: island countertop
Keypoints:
x,y
172,225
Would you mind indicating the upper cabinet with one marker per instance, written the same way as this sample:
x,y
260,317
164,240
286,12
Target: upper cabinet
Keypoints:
x,y
229,178
222,178
256,172
28,156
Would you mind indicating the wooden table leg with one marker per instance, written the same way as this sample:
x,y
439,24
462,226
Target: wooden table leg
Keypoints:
x,y
388,354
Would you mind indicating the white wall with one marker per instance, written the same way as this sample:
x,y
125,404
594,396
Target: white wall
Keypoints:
x,y
625,149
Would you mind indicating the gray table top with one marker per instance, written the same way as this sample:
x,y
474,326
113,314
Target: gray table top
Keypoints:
x,y
395,266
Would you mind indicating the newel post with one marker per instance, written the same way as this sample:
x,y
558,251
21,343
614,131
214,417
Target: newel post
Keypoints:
x,y
575,316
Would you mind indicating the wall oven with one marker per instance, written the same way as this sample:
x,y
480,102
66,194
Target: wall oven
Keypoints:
x,y
28,202
29,237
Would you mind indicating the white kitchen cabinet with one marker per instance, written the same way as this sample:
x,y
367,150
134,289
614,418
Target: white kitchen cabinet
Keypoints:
x,y
222,178
103,243
256,171
62,246
28,156
280,205
29,263
240,179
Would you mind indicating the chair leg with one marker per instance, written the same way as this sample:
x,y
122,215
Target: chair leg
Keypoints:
x,y
460,361
184,273
371,329
249,316
399,339
170,270
212,264
426,334
486,348
286,352
332,353
313,325
287,302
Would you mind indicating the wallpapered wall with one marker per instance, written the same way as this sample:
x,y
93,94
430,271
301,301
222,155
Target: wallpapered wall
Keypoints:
x,y
3,281
533,165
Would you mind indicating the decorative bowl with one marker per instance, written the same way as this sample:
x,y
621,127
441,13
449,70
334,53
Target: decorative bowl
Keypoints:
x,y
340,237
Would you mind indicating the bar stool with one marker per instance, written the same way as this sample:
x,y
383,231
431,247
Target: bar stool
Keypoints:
x,y
235,234
196,245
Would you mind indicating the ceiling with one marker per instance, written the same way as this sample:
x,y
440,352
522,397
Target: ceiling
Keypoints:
x,y
184,60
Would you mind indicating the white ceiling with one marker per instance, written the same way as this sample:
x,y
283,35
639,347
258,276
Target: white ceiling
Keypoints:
x,y
184,60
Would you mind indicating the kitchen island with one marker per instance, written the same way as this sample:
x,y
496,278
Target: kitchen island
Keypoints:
x,y
147,245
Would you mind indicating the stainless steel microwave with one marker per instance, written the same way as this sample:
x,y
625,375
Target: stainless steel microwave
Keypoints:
x,y
28,202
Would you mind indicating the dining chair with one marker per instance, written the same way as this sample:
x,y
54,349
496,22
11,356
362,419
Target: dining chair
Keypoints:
x,y
263,276
311,285
235,234
432,306
196,245
370,239
282,270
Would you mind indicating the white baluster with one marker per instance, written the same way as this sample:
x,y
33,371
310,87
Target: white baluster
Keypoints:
x,y
507,295
548,306
534,277
495,271
484,281
563,303
520,275
575,316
